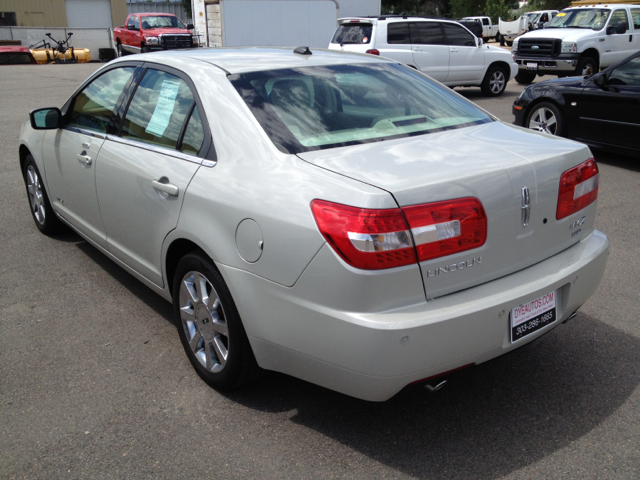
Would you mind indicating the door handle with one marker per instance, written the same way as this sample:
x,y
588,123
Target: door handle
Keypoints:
x,y
86,159
417,49
167,188
453,49
86,144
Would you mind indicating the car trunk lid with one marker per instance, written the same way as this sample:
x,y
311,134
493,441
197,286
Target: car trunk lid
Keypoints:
x,y
494,163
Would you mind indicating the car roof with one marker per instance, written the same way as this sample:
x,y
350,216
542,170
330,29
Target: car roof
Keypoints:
x,y
14,49
395,18
154,14
254,59
602,5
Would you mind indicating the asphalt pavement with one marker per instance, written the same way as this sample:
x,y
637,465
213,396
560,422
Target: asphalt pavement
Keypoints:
x,y
94,382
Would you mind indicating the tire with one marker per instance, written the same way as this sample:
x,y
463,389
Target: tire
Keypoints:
x,y
547,118
41,211
120,50
495,82
209,325
144,49
587,66
509,44
525,78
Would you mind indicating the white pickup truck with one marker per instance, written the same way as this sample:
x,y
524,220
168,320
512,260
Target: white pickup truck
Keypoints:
x,y
579,41
489,29
526,23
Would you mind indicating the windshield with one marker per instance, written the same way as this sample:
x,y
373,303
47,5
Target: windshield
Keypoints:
x,y
593,18
11,58
315,108
356,33
161,21
533,17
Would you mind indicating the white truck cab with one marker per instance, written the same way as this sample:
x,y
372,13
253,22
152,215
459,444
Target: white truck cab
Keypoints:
x,y
579,41
489,29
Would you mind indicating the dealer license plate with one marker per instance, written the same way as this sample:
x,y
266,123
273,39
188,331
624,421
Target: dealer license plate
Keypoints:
x,y
532,316
532,66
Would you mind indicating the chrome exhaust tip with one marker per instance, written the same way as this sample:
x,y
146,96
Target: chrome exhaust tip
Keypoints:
x,y
435,386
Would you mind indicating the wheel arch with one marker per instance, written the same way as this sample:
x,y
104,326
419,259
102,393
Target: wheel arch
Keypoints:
x,y
178,248
499,63
593,53
23,151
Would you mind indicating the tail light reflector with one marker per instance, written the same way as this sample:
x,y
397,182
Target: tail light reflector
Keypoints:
x,y
379,239
365,238
373,51
578,188
445,228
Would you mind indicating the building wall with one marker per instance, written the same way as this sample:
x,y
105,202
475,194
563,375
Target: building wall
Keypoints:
x,y
52,13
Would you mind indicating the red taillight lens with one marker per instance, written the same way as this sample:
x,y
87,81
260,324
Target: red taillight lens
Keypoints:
x,y
378,239
364,238
373,51
445,228
578,188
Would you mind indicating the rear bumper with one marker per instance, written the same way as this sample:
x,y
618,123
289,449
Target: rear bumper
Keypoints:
x,y
374,354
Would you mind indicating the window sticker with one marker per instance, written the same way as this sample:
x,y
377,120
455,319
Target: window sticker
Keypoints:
x,y
561,14
164,108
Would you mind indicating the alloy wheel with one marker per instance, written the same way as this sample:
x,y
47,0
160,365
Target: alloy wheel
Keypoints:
x,y
497,82
36,200
204,322
544,120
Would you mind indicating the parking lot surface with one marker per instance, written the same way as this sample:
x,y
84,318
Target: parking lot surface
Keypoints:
x,y
94,382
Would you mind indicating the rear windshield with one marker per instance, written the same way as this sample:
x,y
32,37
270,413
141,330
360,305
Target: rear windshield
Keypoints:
x,y
12,58
353,33
316,108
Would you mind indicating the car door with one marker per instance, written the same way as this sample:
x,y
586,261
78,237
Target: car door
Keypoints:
x,y
635,33
609,114
430,54
144,171
398,42
618,45
466,60
70,153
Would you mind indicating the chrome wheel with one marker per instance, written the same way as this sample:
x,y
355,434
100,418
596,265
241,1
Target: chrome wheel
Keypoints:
x,y
34,188
587,70
204,321
497,82
544,120
120,50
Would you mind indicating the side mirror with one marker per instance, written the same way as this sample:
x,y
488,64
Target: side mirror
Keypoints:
x,y
45,118
190,26
131,27
622,27
600,81
480,42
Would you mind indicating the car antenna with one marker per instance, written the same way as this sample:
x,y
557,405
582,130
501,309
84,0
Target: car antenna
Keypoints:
x,y
302,51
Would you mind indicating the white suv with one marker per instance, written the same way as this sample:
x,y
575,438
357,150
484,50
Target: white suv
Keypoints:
x,y
444,50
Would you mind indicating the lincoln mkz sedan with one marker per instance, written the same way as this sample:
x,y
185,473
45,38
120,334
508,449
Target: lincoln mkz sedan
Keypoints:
x,y
337,217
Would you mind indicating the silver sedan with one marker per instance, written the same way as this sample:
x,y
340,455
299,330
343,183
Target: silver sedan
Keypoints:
x,y
337,217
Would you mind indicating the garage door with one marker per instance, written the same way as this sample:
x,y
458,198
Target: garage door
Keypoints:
x,y
88,13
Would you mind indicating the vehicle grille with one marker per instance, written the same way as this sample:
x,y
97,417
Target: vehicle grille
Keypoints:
x,y
176,41
539,47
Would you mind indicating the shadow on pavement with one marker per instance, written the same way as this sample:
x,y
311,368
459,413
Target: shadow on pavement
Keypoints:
x,y
492,420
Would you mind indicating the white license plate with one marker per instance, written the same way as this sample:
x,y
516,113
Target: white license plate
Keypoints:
x,y
532,66
532,316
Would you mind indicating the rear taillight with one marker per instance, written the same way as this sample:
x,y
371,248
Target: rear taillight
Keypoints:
x,y
445,228
364,238
373,51
578,188
379,239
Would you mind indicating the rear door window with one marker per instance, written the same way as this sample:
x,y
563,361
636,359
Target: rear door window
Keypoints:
x,y
353,33
429,33
158,109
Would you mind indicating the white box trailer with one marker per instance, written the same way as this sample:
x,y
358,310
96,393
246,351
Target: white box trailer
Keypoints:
x,y
233,23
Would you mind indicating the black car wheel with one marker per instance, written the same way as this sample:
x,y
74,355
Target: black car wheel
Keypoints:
x,y
209,325
41,211
495,81
121,52
525,78
587,66
547,118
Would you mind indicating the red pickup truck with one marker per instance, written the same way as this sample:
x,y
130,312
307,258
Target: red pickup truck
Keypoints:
x,y
146,32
